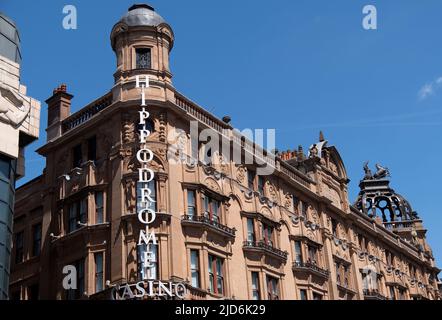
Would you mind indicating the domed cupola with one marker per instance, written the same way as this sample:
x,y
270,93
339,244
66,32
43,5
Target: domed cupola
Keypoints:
x,y
142,15
377,199
142,41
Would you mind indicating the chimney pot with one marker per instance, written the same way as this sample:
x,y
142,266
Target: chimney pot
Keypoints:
x,y
59,108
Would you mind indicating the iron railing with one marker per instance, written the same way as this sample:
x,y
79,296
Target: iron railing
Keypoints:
x,y
297,265
195,219
261,245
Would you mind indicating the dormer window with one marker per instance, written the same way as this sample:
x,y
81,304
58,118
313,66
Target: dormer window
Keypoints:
x,y
143,58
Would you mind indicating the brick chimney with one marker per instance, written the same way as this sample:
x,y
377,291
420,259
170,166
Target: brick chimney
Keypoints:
x,y
59,108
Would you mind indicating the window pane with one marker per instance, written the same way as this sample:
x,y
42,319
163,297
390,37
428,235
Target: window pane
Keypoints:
x,y
317,296
255,286
194,267
298,252
19,247
143,205
83,211
206,204
36,243
98,272
215,214
143,58
99,207
272,288
73,217
250,177
261,185
250,230
194,259
220,285
191,202
219,266
303,294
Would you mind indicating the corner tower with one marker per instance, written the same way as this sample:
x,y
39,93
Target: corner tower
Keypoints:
x,y
142,42
379,201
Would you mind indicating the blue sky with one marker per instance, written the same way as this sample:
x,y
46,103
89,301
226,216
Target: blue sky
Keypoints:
x,y
297,66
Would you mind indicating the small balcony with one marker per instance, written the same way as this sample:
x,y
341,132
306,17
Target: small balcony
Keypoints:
x,y
266,248
373,295
311,267
213,225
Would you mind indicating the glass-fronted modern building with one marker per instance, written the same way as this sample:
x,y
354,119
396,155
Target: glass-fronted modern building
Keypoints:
x,y
7,190
19,126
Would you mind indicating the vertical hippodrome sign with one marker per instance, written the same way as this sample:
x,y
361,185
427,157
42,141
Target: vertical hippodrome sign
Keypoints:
x,y
145,175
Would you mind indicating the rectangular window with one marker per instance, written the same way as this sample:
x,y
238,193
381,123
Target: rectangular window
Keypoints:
x,y
255,286
99,274
261,185
77,213
272,288
267,234
251,179
312,254
36,240
33,292
99,207
212,209
401,294
148,270
317,296
77,156
195,268
295,205
147,204
334,228
250,230
191,203
298,252
143,58
92,149
303,294
73,294
338,272
19,250
346,276
83,211
392,294
216,279
304,207
73,208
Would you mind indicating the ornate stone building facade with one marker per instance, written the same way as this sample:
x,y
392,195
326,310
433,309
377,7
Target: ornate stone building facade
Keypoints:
x,y
225,231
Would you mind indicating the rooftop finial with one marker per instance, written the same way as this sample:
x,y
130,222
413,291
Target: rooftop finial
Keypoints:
x,y
321,136
140,6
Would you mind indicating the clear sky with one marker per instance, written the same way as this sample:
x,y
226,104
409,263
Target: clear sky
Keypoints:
x,y
296,66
